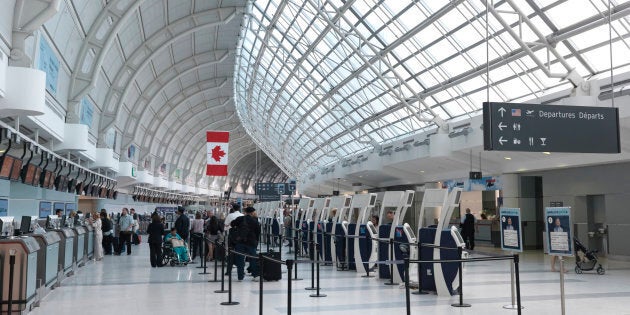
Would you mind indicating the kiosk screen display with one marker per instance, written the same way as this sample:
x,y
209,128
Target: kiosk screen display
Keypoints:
x,y
25,224
347,202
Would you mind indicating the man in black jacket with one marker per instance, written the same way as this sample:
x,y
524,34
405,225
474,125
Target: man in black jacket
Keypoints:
x,y
248,234
108,232
182,224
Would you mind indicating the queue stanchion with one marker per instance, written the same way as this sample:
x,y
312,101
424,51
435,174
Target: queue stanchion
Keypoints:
x,y
295,258
261,268
226,253
310,251
229,301
512,306
391,263
461,288
290,264
204,264
407,296
518,284
216,263
11,271
419,292
317,294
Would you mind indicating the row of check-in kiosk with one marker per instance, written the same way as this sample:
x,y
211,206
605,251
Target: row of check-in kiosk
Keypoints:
x,y
339,231
34,260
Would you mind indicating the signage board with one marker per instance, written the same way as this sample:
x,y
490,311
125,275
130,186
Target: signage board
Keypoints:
x,y
550,128
511,237
558,230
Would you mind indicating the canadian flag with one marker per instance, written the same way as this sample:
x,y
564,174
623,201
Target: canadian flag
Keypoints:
x,y
217,152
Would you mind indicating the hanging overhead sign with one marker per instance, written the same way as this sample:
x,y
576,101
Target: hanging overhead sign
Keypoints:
x,y
550,128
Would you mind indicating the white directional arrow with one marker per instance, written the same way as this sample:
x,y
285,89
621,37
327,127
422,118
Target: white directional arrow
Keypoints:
x,y
502,111
501,140
501,126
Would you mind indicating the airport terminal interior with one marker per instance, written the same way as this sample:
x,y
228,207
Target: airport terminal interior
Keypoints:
x,y
425,156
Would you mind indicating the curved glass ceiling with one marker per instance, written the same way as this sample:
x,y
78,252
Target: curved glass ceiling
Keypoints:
x,y
316,81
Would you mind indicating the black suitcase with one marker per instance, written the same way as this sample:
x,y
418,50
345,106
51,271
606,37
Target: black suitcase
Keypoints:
x,y
272,271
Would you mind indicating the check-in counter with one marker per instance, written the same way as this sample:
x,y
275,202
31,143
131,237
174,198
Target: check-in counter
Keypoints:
x,y
48,258
66,249
79,245
25,250
89,241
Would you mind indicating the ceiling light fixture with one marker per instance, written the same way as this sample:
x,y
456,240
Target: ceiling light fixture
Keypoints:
x,y
547,153
507,158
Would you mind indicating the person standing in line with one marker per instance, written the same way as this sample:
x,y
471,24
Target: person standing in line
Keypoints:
x,y
468,225
212,231
288,224
182,224
155,231
108,232
97,224
248,236
196,236
234,213
125,224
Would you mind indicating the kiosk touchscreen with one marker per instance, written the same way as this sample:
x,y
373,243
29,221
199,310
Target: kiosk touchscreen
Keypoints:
x,y
25,225
361,248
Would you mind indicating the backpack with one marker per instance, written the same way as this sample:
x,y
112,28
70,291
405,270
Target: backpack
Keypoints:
x,y
242,230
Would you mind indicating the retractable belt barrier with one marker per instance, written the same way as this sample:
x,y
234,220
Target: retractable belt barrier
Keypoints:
x,y
292,263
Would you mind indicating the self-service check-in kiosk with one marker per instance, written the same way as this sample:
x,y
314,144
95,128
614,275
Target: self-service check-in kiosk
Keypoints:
x,y
306,219
324,251
299,218
314,220
396,202
337,203
340,231
435,213
362,243
48,258
22,253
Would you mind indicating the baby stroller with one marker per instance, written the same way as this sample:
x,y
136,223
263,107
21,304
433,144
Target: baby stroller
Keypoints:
x,y
175,253
586,260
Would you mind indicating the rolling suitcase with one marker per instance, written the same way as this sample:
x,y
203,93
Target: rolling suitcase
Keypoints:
x,y
272,271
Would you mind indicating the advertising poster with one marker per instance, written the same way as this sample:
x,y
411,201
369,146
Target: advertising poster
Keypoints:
x,y
71,207
559,234
511,237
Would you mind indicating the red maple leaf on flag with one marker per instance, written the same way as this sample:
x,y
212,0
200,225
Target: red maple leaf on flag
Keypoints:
x,y
217,153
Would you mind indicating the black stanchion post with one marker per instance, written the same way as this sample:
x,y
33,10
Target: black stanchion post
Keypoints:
x,y
461,288
317,266
229,301
295,239
518,284
289,267
310,253
216,264
11,270
225,254
407,296
391,263
204,265
261,267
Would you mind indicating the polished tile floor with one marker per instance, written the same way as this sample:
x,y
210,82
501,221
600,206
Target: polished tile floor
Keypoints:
x,y
128,285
